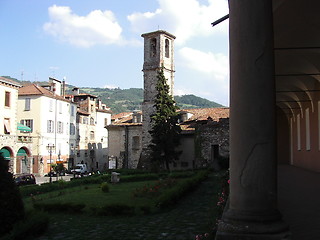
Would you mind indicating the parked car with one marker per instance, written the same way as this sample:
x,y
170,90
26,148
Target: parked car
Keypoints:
x,y
80,169
24,179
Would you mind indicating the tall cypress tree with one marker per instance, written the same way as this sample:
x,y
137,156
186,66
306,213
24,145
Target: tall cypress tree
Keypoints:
x,y
165,130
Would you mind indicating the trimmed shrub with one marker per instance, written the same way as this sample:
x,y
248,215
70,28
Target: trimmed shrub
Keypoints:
x,y
116,209
60,207
105,187
172,195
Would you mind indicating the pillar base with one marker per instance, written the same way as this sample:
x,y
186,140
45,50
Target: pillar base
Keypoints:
x,y
252,228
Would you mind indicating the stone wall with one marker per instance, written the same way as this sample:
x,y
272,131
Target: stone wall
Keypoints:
x,y
206,136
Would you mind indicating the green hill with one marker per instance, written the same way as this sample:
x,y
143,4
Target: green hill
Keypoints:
x,y
126,100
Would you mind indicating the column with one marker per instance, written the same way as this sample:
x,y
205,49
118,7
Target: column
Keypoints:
x,y
252,207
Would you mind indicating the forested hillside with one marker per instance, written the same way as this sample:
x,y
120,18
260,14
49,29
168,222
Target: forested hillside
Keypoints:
x,y
125,100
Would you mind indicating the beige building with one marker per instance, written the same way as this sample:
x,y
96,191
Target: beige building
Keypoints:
x,y
52,120
14,146
125,140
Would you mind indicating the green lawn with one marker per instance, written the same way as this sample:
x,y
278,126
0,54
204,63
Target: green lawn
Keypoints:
x,y
92,196
194,214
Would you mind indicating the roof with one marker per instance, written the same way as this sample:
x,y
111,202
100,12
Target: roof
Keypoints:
x,y
123,119
103,110
10,82
200,114
36,90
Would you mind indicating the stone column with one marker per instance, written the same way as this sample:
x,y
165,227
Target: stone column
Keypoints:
x,y
252,207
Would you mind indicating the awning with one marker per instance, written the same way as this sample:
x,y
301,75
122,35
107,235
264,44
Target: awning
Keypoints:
x,y
22,127
5,153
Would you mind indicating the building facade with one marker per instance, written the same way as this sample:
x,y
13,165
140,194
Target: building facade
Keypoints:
x,y
52,120
91,146
14,146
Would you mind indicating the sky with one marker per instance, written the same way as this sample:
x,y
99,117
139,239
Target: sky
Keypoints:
x,y
98,43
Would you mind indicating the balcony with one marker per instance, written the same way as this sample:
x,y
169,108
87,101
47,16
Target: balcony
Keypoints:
x,y
24,139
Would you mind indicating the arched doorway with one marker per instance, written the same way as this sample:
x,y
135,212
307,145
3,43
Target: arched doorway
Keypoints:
x,y
7,154
23,160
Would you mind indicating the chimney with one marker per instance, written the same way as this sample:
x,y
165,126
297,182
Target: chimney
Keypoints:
x,y
75,91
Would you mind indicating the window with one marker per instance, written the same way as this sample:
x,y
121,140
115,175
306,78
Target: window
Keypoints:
x,y
153,47
85,120
60,127
60,107
72,110
28,123
7,99
91,121
27,104
51,105
72,129
136,143
7,127
50,126
167,54
91,135
92,108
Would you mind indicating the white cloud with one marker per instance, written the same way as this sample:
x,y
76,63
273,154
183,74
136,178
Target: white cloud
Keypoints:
x,y
211,72
216,65
183,18
97,27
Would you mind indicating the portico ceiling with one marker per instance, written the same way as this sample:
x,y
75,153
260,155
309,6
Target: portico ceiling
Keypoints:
x,y
297,53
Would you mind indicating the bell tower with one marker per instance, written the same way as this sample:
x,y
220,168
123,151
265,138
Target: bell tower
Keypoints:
x,y
158,52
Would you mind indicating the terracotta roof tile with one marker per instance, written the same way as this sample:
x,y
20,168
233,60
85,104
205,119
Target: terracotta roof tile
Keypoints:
x,y
200,114
10,81
34,89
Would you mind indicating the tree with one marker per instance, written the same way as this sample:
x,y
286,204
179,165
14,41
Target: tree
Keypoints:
x,y
165,130
11,205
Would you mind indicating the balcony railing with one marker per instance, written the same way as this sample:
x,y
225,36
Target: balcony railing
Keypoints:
x,y
24,139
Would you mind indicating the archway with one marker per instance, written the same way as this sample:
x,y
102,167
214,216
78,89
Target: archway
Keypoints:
x,y
8,155
23,161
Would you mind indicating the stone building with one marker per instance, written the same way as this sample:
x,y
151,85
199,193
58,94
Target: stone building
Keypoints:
x,y
208,132
204,138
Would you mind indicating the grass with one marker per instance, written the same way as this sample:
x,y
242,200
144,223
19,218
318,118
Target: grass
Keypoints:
x,y
192,215
93,197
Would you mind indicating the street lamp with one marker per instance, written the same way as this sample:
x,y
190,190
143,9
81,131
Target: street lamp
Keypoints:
x,y
50,149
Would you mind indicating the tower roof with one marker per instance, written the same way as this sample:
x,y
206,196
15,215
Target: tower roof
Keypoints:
x,y
158,32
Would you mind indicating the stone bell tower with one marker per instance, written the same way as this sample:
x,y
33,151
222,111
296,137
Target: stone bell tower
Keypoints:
x,y
158,52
